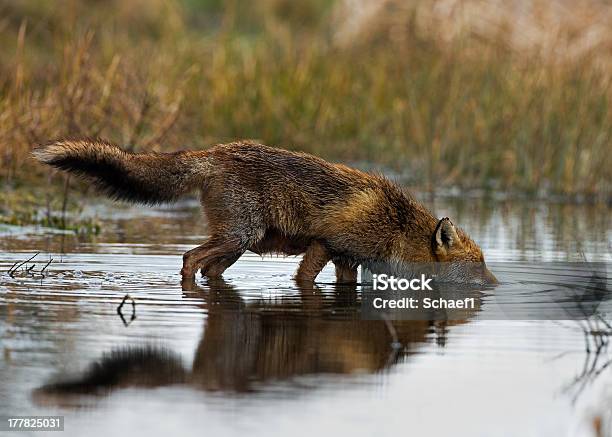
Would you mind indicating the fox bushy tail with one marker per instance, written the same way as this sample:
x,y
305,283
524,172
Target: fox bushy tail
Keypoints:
x,y
136,177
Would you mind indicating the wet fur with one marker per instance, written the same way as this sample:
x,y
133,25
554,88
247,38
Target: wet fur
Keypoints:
x,y
270,200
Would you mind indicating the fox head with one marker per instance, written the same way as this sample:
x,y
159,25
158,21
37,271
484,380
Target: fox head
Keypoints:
x,y
462,259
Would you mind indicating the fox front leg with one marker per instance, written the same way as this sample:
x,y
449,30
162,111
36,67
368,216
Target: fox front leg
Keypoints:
x,y
315,258
346,271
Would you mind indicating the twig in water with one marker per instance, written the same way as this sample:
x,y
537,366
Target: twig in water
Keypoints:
x,y
11,269
65,201
14,268
42,271
120,307
597,358
29,270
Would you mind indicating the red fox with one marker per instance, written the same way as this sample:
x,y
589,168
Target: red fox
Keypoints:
x,y
269,200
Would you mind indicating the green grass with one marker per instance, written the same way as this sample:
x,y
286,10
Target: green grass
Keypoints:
x,y
473,114
46,207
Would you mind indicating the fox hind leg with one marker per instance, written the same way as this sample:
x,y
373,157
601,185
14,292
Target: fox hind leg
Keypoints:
x,y
215,268
212,257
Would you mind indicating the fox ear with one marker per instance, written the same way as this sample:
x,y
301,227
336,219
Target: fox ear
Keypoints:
x,y
445,236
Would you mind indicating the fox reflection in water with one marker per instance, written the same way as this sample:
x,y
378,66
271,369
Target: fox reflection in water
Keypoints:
x,y
244,345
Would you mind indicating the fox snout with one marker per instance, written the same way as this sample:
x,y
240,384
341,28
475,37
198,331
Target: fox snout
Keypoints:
x,y
489,278
477,274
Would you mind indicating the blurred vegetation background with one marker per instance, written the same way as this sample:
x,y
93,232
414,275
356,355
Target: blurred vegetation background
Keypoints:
x,y
503,95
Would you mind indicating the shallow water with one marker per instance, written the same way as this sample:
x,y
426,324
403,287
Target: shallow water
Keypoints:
x,y
256,354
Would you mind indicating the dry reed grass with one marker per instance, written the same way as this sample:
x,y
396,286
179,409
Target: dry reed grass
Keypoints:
x,y
419,90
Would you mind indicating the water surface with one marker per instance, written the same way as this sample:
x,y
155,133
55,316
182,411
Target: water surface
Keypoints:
x,y
255,354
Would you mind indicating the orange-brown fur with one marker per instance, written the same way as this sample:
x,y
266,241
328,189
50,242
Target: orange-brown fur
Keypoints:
x,y
266,199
